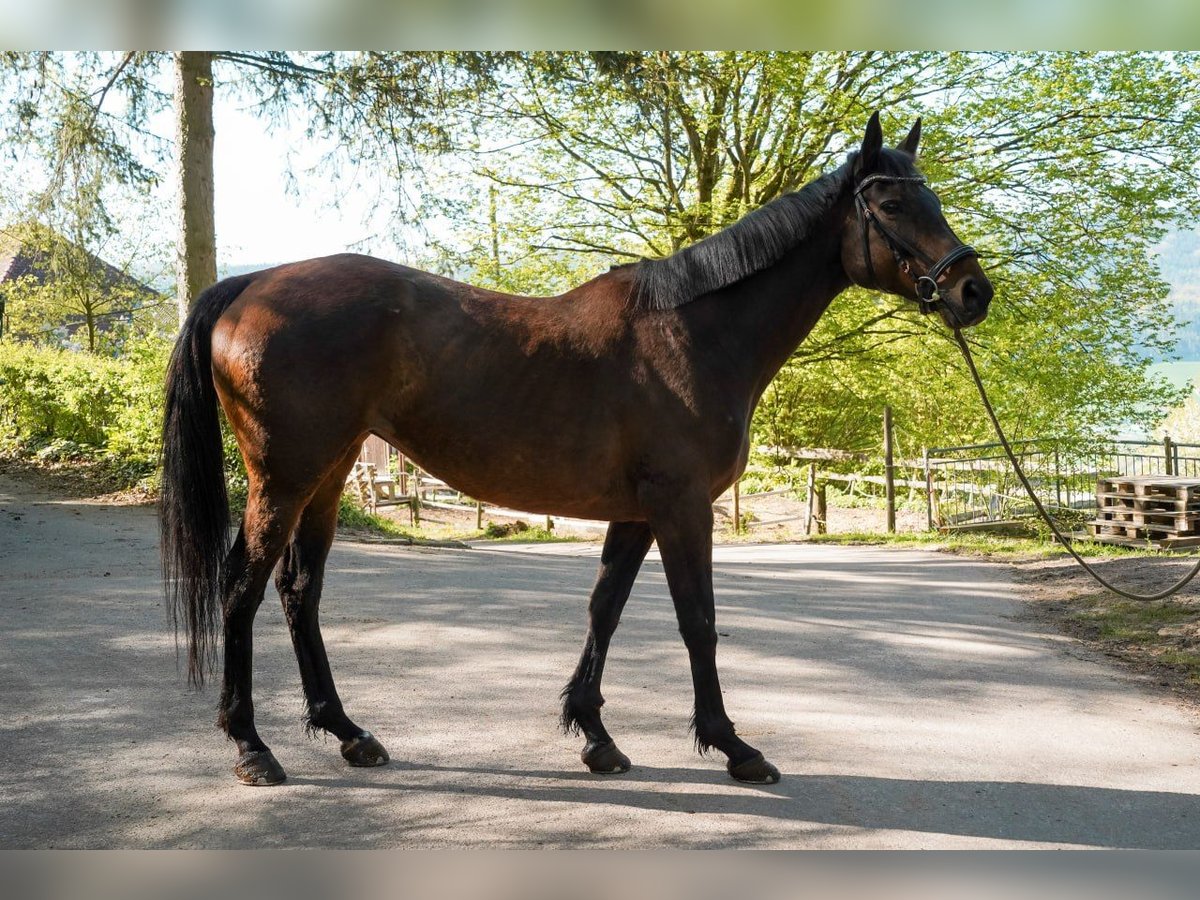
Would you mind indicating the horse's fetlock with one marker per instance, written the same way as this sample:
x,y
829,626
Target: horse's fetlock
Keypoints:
x,y
323,715
711,731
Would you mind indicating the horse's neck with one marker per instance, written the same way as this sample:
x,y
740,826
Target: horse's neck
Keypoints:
x,y
766,316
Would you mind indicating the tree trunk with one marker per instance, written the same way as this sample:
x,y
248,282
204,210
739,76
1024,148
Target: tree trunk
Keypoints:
x,y
196,254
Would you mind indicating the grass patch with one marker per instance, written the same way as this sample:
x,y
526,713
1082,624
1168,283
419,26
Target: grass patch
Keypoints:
x,y
530,535
979,543
353,516
1159,638
1113,619
1186,660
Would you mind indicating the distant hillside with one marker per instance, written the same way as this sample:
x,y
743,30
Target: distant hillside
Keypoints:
x,y
242,269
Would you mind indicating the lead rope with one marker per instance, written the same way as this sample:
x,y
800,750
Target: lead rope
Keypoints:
x,y
1173,589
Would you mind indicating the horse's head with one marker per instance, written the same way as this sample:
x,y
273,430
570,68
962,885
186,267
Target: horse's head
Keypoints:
x,y
897,240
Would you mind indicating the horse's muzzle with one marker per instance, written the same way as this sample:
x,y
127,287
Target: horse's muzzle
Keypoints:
x,y
969,302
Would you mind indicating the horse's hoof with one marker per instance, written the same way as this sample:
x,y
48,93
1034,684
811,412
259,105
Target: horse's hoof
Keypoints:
x,y
364,751
755,770
259,768
605,759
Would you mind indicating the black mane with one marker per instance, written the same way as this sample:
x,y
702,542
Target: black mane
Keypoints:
x,y
754,242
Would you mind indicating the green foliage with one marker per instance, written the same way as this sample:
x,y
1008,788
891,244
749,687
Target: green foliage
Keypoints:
x,y
62,404
351,515
1183,422
1066,169
58,405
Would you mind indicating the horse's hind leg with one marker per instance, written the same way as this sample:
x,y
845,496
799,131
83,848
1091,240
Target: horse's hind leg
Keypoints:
x,y
299,580
269,519
625,547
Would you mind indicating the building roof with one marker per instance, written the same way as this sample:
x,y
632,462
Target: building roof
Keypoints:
x,y
20,258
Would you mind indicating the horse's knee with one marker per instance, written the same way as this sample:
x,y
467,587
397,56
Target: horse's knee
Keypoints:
x,y
698,635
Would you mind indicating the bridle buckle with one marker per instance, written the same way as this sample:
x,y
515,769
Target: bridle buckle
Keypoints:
x,y
929,294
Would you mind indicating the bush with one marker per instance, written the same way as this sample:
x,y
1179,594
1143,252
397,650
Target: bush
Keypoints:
x,y
58,405
62,405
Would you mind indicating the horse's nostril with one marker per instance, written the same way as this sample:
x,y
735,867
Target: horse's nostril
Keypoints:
x,y
973,291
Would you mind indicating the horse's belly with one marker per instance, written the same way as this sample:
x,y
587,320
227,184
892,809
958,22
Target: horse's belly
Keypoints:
x,y
547,474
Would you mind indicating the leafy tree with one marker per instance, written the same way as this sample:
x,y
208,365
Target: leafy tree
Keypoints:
x,y
88,114
1065,168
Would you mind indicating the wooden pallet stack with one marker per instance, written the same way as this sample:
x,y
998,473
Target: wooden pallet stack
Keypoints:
x,y
1163,510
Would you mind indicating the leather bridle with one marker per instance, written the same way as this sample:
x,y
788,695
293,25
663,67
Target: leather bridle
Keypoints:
x,y
927,287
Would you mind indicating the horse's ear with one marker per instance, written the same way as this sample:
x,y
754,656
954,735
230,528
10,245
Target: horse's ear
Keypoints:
x,y
868,156
909,144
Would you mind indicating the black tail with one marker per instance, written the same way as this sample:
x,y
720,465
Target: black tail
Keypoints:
x,y
193,504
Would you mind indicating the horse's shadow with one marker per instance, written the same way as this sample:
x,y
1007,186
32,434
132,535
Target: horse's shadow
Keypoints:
x,y
1002,810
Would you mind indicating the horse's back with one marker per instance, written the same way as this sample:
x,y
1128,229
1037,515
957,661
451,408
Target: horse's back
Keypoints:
x,y
472,384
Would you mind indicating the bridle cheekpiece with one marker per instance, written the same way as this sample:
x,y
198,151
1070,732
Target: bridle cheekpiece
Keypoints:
x,y
927,287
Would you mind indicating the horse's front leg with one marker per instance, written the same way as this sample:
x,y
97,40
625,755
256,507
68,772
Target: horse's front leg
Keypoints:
x,y
683,528
625,547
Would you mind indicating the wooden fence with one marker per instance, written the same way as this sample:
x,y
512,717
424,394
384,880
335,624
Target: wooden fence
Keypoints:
x,y
968,486
807,460
384,477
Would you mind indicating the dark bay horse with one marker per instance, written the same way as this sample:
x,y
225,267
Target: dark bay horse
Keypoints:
x,y
627,399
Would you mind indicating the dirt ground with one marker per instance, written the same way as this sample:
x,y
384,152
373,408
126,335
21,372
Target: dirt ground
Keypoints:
x,y
840,519
1159,640
763,514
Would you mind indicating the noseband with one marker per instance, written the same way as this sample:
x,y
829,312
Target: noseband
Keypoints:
x,y
928,286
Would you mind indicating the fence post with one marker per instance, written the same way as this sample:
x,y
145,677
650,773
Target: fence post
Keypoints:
x,y
928,491
737,507
1058,479
812,487
822,510
1169,455
889,470
479,515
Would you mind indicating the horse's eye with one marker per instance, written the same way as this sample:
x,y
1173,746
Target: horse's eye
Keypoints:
x,y
890,206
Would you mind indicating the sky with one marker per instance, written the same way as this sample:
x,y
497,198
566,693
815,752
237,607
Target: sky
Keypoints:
x,y
259,221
